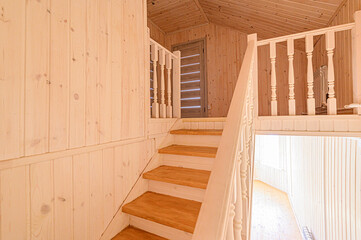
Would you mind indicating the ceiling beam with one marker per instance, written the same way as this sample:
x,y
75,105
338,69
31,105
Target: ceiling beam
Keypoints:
x,y
201,10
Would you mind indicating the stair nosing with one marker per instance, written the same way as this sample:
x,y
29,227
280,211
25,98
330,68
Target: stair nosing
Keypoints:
x,y
148,175
182,227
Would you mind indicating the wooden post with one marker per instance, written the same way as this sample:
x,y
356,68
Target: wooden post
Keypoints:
x,y
273,79
155,104
330,46
311,106
254,75
168,65
176,85
163,107
356,61
291,77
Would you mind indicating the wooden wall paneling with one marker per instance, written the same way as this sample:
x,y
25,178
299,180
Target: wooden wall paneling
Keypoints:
x,y
14,207
119,191
81,191
96,197
92,73
63,198
108,185
77,74
12,69
132,69
156,33
42,203
116,68
59,74
37,77
342,57
105,78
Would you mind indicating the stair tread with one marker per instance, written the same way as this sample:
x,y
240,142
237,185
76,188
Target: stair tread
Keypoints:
x,y
132,233
180,176
171,211
216,132
196,151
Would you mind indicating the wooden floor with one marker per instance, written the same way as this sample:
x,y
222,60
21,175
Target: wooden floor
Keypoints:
x,y
272,216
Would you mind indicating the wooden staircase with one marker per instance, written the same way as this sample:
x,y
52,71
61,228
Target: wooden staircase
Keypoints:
x,y
170,207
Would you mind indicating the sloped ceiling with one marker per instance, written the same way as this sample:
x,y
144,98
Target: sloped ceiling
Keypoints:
x,y
268,18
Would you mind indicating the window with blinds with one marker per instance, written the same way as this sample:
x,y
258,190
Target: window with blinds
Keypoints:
x,y
193,85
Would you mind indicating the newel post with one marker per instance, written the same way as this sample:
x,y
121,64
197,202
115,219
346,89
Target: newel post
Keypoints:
x,y
356,61
177,85
253,37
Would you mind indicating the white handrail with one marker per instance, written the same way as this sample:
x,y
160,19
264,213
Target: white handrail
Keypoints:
x,y
316,32
152,41
164,106
219,205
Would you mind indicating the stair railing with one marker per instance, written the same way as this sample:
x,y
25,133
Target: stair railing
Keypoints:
x,y
329,34
225,212
164,81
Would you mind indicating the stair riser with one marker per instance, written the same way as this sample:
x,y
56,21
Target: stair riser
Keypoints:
x,y
201,163
190,193
159,229
197,140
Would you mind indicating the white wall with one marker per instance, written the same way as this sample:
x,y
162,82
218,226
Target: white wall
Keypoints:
x,y
324,184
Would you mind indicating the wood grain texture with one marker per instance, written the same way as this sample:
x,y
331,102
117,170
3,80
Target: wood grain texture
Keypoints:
x,y
180,176
170,211
225,48
269,18
196,151
197,132
343,54
131,233
68,80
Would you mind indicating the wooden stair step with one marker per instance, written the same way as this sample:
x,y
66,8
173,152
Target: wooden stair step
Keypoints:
x,y
171,211
132,233
196,151
197,132
180,176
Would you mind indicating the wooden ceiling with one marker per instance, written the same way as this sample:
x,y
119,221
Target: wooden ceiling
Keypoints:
x,y
268,18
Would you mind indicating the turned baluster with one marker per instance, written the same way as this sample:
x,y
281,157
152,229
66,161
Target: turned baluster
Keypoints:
x,y
155,104
311,110
291,78
273,79
168,65
237,223
330,47
230,231
163,107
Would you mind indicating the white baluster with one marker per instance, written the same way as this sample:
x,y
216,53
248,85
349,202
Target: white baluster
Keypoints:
x,y
177,85
291,78
230,231
163,107
168,65
155,104
273,79
311,110
330,47
237,223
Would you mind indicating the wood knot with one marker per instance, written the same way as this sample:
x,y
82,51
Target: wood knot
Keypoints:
x,y
45,209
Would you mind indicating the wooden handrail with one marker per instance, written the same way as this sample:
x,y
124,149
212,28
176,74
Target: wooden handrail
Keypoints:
x,y
214,214
316,32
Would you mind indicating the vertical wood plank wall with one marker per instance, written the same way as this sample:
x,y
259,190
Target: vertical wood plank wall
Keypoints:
x,y
224,54
324,184
342,57
225,50
73,137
